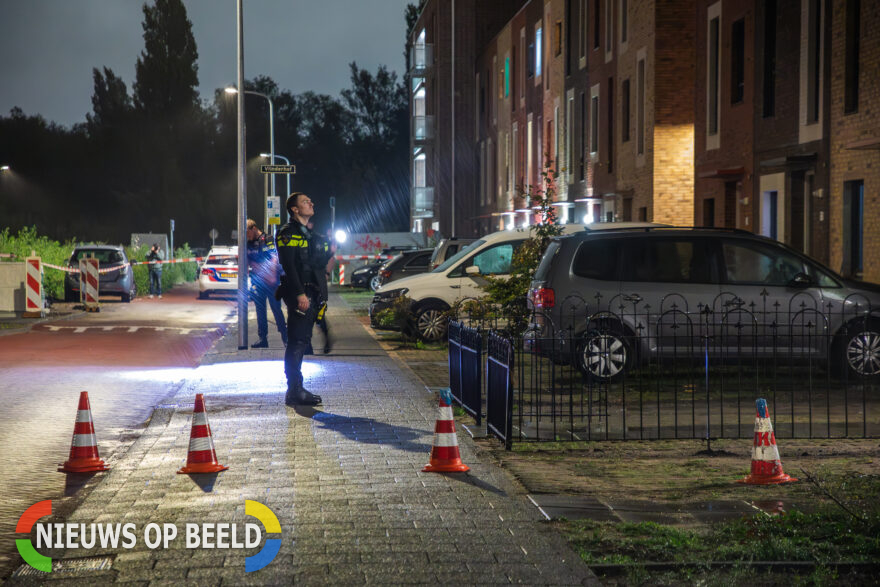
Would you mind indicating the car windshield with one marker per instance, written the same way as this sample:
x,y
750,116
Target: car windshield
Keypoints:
x,y
104,256
458,256
222,260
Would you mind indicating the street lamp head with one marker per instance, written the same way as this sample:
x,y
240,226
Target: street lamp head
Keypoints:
x,y
266,155
230,90
4,167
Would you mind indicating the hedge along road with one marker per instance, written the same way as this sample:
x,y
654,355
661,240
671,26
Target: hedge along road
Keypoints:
x,y
127,356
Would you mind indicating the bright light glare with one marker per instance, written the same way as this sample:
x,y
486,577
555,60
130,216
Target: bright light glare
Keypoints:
x,y
4,168
230,90
340,236
267,155
251,377
587,219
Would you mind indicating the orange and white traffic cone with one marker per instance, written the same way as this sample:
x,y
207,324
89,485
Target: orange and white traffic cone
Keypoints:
x,y
201,457
766,466
83,447
445,457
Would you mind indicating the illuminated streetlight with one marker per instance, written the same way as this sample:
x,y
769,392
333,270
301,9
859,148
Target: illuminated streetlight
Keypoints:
x,y
341,236
234,90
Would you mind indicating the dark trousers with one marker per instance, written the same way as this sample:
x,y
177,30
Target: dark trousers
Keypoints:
x,y
261,294
155,282
299,340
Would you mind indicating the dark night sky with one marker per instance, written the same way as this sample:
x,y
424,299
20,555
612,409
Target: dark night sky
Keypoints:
x,y
49,47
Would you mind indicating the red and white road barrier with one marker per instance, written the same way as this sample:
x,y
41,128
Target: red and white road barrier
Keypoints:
x,y
362,257
88,283
33,307
342,274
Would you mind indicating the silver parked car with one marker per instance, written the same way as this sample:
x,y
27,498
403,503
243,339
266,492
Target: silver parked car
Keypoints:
x,y
611,300
118,278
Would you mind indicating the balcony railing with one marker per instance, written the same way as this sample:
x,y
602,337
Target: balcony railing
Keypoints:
x,y
423,202
421,57
422,128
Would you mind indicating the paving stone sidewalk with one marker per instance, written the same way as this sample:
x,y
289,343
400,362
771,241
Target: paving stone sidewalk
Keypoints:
x,y
344,480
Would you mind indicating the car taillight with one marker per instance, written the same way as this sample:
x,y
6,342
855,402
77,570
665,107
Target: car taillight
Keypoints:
x,y
544,297
206,272
385,273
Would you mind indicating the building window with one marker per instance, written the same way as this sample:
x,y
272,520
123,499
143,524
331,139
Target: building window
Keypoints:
x,y
624,111
712,98
582,21
624,21
583,155
532,61
640,97
609,27
594,125
505,74
539,50
769,58
597,21
853,26
569,137
853,227
814,59
643,214
709,212
738,61
610,129
557,39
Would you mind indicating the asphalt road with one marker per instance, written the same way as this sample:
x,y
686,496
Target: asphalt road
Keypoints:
x,y
128,357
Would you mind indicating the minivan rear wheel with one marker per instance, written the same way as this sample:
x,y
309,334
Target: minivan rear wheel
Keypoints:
x,y
858,350
605,355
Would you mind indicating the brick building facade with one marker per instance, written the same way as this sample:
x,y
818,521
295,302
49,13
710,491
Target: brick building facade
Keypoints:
x,y
855,139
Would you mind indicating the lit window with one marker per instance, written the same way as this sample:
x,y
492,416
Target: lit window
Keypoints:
x,y
538,50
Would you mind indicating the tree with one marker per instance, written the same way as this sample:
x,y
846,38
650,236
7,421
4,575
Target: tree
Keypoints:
x,y
166,72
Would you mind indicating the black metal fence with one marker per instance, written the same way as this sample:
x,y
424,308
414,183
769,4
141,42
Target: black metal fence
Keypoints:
x,y
682,372
465,368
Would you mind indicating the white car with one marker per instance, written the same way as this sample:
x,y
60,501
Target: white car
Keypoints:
x,y
219,272
460,276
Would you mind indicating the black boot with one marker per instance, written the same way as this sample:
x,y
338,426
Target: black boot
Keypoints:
x,y
301,397
260,344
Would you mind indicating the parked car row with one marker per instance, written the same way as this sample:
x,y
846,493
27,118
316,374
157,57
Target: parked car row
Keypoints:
x,y
612,295
404,263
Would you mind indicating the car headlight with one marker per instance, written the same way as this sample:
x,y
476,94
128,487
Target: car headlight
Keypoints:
x,y
391,295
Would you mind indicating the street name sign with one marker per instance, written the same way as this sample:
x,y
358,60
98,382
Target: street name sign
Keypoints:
x,y
278,168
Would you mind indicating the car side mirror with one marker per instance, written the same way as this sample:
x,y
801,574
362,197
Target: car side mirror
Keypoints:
x,y
473,270
801,280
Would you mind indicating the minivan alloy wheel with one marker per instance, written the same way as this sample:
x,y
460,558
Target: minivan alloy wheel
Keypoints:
x,y
863,353
375,282
604,356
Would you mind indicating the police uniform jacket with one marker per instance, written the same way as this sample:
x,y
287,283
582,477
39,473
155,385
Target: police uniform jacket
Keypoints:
x,y
303,255
263,259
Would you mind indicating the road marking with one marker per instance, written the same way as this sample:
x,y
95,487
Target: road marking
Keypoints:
x,y
183,330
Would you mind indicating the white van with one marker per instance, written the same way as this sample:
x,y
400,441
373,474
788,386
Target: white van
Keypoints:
x,y
459,277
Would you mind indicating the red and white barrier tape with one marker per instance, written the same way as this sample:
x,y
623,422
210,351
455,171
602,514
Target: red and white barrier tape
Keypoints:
x,y
362,257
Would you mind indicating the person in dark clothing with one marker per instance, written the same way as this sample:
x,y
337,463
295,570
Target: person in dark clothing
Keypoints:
x,y
155,257
265,272
302,257
328,249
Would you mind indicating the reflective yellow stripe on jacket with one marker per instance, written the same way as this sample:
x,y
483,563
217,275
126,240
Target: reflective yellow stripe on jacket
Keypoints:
x,y
294,240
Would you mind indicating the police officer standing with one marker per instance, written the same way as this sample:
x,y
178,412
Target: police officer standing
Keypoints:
x,y
264,270
302,256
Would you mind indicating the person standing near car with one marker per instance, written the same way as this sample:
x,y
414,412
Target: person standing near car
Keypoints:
x,y
155,258
265,272
302,260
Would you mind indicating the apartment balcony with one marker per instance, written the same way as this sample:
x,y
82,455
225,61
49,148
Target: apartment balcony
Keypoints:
x,y
421,57
422,202
422,128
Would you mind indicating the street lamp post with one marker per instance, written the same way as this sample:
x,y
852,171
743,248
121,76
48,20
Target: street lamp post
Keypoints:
x,y
233,90
272,157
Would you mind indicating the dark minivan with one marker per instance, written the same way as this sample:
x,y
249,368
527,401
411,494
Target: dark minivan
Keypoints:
x,y
610,300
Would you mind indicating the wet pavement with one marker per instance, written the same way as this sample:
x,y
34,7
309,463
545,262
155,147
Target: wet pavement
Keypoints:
x,y
129,357
344,480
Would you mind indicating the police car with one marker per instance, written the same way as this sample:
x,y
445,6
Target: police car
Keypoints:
x,y
219,272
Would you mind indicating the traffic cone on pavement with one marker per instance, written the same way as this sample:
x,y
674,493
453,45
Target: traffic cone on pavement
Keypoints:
x,y
766,467
201,457
83,447
445,457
